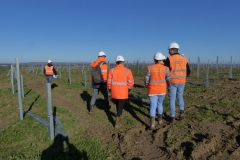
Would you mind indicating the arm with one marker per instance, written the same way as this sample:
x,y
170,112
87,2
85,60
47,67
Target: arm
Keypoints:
x,y
188,70
147,77
130,80
109,80
167,75
54,71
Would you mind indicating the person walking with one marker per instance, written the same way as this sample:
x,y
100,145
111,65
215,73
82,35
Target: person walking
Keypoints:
x,y
102,86
179,68
156,80
120,82
49,71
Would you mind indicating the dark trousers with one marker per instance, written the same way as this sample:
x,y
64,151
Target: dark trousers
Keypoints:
x,y
119,106
103,90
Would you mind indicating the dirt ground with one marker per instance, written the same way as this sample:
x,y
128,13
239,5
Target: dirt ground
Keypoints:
x,y
184,139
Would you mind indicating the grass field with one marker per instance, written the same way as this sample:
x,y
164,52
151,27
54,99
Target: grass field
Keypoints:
x,y
210,129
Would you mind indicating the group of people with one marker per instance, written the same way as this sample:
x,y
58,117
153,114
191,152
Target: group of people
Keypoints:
x,y
165,75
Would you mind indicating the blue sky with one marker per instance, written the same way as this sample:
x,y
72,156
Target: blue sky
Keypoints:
x,y
76,30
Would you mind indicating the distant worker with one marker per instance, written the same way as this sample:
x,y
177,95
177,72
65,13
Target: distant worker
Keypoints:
x,y
120,82
99,80
156,80
49,71
179,68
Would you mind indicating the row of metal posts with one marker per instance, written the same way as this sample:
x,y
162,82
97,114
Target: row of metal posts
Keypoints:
x,y
50,124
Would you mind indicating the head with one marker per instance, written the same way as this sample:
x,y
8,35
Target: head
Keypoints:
x,y
120,59
159,57
173,48
49,61
101,54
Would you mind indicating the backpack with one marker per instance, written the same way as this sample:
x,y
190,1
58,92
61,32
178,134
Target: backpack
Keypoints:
x,y
97,77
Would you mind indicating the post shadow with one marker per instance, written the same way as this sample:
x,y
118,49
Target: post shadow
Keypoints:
x,y
27,92
30,107
58,151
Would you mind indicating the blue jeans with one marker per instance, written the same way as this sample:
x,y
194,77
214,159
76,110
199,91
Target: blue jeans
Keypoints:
x,y
49,79
156,102
175,90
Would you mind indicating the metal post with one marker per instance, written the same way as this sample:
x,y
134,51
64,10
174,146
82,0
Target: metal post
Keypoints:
x,y
49,109
198,65
12,80
22,86
207,81
137,67
19,91
217,65
85,79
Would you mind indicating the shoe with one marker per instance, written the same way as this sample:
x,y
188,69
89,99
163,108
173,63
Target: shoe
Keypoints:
x,y
159,118
172,119
152,122
117,122
181,115
91,109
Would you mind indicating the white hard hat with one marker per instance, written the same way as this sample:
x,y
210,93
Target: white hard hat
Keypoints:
x,y
173,45
159,56
101,53
49,61
120,58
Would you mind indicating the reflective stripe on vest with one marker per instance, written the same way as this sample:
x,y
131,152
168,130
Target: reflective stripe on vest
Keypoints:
x,y
102,70
157,81
119,83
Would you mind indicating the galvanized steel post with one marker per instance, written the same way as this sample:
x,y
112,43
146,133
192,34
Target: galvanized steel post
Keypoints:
x,y
22,86
19,91
49,109
85,79
12,80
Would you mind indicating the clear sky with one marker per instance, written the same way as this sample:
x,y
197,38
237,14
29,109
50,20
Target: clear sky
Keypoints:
x,y
76,30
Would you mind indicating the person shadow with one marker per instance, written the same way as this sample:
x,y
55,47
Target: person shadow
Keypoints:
x,y
100,104
133,111
85,96
58,150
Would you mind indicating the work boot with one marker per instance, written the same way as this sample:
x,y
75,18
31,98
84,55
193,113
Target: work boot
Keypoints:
x,y
181,115
159,118
91,109
117,122
107,105
172,119
152,122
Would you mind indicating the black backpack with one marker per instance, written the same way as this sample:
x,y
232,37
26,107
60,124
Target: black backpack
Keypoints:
x,y
97,77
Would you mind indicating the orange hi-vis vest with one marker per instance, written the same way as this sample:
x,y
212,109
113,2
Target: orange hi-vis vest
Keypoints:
x,y
120,79
178,68
157,82
49,70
